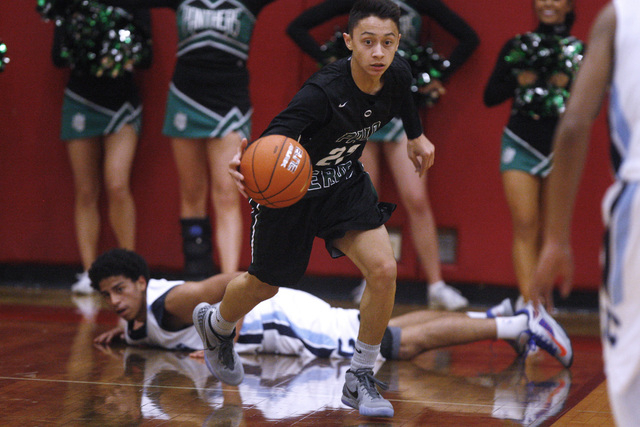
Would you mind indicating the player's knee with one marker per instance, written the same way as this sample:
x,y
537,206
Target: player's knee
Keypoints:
x,y
383,272
87,193
417,202
194,192
259,289
118,191
526,227
225,196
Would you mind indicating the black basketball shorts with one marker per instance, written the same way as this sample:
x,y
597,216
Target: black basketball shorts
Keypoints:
x,y
282,239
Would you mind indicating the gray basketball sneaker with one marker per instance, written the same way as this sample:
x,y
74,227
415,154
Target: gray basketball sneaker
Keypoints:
x,y
360,392
219,354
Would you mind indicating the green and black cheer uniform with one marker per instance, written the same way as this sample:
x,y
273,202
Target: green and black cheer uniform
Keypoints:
x,y
333,119
410,28
95,106
209,91
526,141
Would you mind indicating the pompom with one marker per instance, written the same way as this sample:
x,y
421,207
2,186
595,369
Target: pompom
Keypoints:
x,y
334,48
426,65
97,39
546,55
4,59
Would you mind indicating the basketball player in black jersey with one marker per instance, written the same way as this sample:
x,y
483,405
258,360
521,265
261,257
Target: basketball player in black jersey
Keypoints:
x,y
333,115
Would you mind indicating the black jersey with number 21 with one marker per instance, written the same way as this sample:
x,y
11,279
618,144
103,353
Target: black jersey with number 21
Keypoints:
x,y
332,118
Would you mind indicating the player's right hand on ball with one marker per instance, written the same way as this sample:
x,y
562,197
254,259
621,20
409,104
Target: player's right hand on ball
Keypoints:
x,y
234,167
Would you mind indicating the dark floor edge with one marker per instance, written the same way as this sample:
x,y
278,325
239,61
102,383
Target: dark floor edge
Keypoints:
x,y
328,287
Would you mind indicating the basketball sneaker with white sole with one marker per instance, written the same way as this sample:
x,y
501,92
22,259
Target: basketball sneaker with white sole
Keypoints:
x,y
547,334
83,285
219,354
360,392
441,296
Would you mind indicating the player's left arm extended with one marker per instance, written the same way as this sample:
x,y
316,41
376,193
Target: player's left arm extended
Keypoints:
x,y
570,148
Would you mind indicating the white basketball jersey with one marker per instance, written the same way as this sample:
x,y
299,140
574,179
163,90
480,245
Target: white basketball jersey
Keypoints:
x,y
298,323
293,322
620,297
624,109
185,339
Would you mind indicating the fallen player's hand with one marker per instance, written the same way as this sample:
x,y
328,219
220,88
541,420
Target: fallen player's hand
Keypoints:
x,y
108,337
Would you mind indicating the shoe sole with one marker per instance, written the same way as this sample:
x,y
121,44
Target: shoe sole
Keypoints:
x,y
198,321
366,411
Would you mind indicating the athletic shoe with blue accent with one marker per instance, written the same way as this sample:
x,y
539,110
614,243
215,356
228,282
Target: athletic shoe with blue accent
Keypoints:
x,y
504,309
547,334
219,354
360,392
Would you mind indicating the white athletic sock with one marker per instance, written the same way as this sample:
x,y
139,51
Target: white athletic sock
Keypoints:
x,y
477,314
508,328
364,356
221,326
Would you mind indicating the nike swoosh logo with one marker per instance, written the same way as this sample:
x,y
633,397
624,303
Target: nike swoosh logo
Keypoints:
x,y
342,105
563,351
354,393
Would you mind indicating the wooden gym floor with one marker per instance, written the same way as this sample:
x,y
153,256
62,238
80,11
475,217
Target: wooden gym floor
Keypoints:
x,y
51,374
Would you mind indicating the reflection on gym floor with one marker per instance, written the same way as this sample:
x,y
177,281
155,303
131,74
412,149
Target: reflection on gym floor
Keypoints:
x,y
52,374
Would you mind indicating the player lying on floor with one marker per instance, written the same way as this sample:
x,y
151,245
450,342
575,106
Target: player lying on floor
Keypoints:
x,y
158,312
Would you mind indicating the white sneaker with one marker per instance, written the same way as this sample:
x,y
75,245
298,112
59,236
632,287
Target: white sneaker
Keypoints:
x,y
442,296
504,309
357,292
83,285
547,334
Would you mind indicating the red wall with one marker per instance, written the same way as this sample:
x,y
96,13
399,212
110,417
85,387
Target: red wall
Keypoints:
x,y
36,191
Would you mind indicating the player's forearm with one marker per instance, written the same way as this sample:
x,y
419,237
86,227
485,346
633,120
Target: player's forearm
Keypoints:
x,y
570,152
571,141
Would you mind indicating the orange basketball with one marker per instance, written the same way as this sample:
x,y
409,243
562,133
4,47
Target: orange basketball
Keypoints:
x,y
277,171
